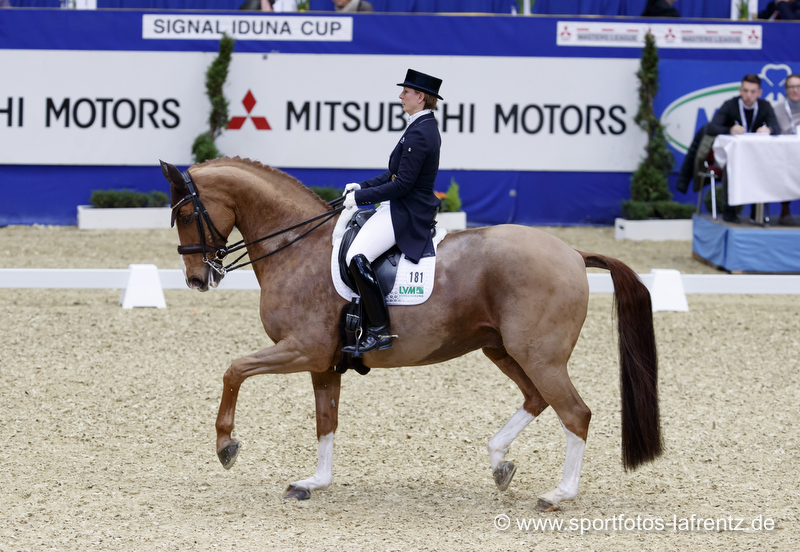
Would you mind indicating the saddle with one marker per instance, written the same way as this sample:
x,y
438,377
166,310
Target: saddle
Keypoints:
x,y
385,268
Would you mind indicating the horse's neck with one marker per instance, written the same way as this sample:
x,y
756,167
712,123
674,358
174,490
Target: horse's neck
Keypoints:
x,y
264,208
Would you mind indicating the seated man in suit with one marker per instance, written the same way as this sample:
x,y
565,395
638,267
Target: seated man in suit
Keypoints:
x,y
745,113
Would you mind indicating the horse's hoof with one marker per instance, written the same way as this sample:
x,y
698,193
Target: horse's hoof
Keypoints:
x,y
296,493
546,506
504,474
227,456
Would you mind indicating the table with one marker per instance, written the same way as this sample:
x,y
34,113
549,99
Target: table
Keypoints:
x,y
761,168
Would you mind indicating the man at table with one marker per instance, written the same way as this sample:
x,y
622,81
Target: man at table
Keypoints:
x,y
739,115
787,111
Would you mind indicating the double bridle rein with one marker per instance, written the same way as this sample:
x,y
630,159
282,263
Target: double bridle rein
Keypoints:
x,y
220,250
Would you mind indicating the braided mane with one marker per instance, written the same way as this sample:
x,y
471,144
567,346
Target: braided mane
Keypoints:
x,y
267,172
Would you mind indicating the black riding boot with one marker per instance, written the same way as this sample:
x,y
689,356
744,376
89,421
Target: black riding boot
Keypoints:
x,y
378,335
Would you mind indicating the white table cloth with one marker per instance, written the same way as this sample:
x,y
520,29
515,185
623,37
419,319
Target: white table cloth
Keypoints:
x,y
761,168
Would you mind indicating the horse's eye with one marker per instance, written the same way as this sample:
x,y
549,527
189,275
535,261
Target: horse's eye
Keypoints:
x,y
187,219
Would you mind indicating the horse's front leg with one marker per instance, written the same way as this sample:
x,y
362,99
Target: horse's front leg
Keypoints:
x,y
285,357
326,395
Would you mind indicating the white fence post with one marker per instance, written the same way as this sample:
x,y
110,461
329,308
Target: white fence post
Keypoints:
x,y
143,288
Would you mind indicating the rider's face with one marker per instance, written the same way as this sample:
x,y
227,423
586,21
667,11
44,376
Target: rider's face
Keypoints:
x,y
412,100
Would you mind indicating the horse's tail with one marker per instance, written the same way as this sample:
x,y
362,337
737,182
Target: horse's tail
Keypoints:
x,y
641,428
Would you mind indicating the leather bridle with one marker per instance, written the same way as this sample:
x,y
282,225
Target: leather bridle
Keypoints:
x,y
212,256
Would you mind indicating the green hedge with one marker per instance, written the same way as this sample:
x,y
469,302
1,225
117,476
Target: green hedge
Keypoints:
x,y
328,193
115,199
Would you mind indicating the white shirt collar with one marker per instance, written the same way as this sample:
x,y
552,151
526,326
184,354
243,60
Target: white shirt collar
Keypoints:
x,y
418,114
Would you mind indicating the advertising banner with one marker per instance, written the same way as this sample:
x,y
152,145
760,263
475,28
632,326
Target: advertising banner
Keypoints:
x,y
244,27
310,111
625,34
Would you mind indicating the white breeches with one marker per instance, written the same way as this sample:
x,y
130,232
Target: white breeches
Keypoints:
x,y
376,237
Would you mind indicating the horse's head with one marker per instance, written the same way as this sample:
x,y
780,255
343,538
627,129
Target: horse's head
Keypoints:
x,y
203,226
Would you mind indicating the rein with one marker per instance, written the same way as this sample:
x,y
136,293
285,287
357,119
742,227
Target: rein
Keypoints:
x,y
221,250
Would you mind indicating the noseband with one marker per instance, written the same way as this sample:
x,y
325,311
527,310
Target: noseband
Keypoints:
x,y
221,250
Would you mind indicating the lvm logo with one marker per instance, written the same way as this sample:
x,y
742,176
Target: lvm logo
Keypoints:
x,y
249,103
412,290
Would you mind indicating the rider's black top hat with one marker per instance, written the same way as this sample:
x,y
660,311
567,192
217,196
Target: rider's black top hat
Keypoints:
x,y
422,82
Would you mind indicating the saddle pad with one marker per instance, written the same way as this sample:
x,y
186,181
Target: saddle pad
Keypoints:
x,y
413,284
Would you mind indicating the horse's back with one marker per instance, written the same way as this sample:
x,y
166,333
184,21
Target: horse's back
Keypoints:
x,y
511,255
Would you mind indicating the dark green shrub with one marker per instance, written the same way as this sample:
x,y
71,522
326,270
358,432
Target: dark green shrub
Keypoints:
x,y
204,148
650,195
451,201
328,193
673,210
119,199
637,210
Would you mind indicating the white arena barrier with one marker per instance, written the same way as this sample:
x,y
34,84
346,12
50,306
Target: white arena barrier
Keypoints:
x,y
667,290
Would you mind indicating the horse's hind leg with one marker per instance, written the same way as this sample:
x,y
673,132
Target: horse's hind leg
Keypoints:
x,y
555,387
533,405
326,396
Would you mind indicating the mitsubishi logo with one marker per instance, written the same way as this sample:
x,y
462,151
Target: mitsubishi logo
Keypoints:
x,y
249,102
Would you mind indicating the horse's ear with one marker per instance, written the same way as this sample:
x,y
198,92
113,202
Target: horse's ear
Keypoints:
x,y
175,178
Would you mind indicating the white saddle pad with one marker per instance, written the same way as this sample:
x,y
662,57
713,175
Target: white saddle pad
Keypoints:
x,y
414,282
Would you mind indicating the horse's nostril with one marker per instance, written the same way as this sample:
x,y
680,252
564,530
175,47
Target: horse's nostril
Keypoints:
x,y
195,282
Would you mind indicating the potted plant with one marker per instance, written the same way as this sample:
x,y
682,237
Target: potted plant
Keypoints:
x,y
450,215
651,214
124,209
204,147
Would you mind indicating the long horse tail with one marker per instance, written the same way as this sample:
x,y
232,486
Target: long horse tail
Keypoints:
x,y
641,428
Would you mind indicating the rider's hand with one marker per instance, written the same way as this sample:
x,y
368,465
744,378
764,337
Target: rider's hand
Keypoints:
x,y
351,187
350,200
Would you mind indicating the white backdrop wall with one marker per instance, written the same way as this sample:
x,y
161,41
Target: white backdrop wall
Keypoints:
x,y
334,111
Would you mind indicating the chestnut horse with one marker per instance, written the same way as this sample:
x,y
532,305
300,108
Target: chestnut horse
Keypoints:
x,y
518,294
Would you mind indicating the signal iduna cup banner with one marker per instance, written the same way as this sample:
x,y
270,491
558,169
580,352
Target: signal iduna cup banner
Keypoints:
x,y
317,111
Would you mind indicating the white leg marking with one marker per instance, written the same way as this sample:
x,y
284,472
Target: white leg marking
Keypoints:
x,y
498,445
324,476
568,489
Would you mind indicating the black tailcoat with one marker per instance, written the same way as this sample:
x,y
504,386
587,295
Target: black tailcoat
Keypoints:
x,y
413,164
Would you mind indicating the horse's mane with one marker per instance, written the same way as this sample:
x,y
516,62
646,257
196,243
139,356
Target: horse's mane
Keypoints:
x,y
275,174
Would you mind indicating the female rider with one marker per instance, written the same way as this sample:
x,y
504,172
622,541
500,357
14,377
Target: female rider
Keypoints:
x,y
407,205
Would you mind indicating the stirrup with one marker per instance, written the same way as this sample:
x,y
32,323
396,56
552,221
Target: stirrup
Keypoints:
x,y
372,342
